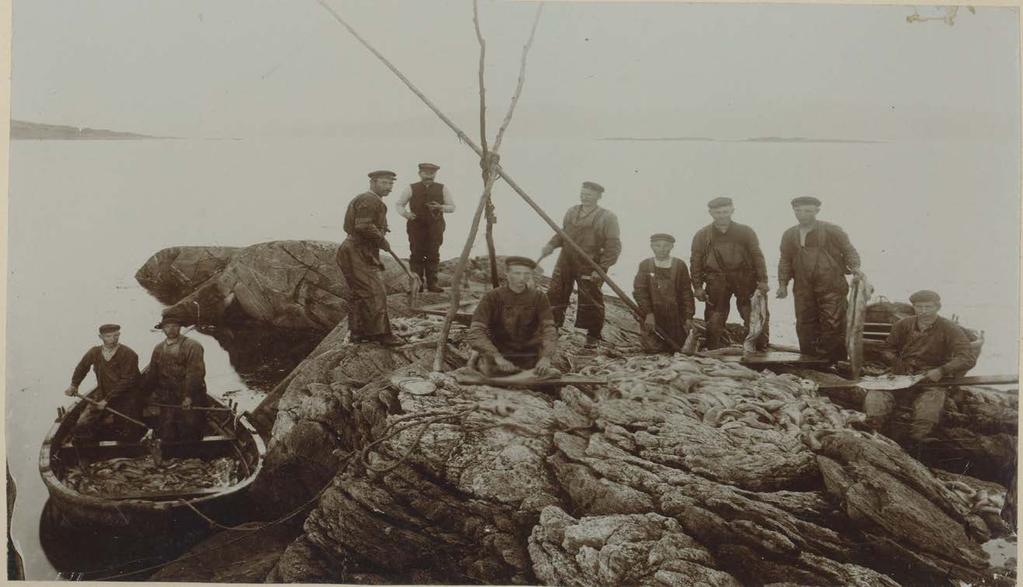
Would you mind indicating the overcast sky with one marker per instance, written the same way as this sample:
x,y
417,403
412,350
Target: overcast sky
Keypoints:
x,y
285,68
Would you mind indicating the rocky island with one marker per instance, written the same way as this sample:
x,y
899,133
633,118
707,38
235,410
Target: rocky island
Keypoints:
x,y
680,470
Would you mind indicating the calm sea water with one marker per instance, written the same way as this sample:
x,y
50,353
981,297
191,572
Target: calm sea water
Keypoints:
x,y
85,215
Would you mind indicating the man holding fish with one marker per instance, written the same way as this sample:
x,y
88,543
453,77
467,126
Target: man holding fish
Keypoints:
x,y
727,261
927,345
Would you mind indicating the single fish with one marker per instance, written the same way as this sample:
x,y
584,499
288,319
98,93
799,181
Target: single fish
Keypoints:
x,y
758,320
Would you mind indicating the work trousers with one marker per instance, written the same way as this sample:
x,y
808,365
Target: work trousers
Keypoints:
x,y
719,289
425,239
367,302
590,311
820,320
927,404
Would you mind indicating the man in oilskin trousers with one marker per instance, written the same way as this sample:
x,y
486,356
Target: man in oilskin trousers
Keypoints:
x,y
817,255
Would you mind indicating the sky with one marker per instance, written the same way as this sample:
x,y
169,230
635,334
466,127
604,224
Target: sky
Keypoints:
x,y
194,68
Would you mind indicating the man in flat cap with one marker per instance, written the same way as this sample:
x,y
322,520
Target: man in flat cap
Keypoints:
x,y
513,327
925,344
664,293
595,230
428,202
117,384
359,260
817,255
177,377
727,261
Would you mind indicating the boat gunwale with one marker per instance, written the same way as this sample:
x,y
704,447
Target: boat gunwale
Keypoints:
x,y
58,489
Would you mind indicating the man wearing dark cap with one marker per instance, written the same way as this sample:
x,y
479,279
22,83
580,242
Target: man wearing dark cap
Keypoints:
x,y
359,260
512,327
117,384
177,377
925,344
428,202
664,294
595,230
817,255
727,261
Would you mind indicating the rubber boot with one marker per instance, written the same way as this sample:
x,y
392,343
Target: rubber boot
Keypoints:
x,y
431,277
416,267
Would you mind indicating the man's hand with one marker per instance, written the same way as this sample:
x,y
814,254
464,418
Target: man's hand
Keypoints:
x,y
763,288
782,293
546,250
71,391
186,403
504,365
409,215
649,323
700,294
384,245
690,325
102,405
934,375
543,366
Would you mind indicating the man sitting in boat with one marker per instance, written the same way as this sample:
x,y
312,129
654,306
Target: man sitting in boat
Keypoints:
x,y
176,380
664,293
925,344
117,375
513,326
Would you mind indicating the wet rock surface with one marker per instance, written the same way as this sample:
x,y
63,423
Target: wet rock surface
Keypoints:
x,y
680,470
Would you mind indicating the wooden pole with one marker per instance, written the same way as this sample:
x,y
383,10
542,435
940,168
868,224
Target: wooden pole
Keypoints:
x,y
486,169
511,183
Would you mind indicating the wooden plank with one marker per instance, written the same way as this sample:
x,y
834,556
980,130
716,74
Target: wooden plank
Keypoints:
x,y
972,380
769,358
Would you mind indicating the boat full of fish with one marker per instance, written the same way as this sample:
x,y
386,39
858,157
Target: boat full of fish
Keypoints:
x,y
140,475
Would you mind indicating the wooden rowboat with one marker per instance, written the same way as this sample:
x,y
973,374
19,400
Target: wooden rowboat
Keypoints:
x,y
226,435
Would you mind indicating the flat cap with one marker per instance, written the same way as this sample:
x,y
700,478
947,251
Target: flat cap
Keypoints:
x,y
428,166
592,185
662,236
719,202
382,173
168,320
524,261
924,296
106,328
805,200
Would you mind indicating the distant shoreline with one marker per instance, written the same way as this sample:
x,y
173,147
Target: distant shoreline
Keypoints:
x,y
746,140
36,131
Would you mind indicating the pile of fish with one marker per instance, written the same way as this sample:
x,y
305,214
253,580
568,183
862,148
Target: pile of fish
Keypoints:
x,y
728,396
141,475
417,329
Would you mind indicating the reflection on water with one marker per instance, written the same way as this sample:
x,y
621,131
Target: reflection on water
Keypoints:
x,y
260,356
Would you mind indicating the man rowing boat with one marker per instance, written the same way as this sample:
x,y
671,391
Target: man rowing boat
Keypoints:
x,y
117,376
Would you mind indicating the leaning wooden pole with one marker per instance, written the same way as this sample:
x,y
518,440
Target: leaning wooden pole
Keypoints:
x,y
511,183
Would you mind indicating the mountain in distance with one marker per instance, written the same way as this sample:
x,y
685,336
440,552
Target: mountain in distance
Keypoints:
x,y
23,130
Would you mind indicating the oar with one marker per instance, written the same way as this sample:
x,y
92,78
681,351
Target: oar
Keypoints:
x,y
197,408
971,380
415,284
154,444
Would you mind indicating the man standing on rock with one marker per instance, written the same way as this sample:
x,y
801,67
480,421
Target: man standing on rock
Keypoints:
x,y
177,379
664,294
117,378
925,344
513,327
727,261
359,260
817,255
595,230
428,202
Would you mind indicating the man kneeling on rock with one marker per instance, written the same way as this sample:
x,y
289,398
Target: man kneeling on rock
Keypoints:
x,y
925,344
513,326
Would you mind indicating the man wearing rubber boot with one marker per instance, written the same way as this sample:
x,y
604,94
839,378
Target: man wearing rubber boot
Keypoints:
x,y
595,230
512,327
117,384
359,260
177,379
428,202
817,255
664,294
727,261
925,344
